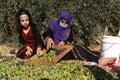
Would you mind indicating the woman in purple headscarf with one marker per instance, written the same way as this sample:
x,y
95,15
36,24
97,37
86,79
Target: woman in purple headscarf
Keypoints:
x,y
60,31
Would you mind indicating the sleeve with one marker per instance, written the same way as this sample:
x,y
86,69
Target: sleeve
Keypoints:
x,y
38,38
48,33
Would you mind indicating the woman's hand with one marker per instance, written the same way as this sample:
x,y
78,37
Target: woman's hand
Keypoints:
x,y
39,52
29,51
61,43
49,43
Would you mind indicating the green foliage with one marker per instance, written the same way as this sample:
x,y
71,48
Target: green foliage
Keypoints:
x,y
90,17
94,16
14,69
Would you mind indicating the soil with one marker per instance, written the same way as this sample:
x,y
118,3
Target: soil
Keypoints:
x,y
4,50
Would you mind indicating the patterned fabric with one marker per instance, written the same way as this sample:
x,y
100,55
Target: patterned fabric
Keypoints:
x,y
32,39
21,53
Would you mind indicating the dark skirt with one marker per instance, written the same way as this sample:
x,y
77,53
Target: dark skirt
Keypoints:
x,y
21,53
82,53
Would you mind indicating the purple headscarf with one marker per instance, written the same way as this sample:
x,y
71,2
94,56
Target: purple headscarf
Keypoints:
x,y
60,33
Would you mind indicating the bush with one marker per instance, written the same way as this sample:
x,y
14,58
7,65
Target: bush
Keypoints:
x,y
90,17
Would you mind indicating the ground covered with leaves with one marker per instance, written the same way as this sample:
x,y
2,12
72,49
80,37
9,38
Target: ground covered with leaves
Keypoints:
x,y
12,68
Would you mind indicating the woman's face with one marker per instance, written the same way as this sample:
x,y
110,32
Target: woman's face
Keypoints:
x,y
24,22
63,23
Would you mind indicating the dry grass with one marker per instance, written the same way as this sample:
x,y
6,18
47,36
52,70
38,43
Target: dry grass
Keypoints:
x,y
4,50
